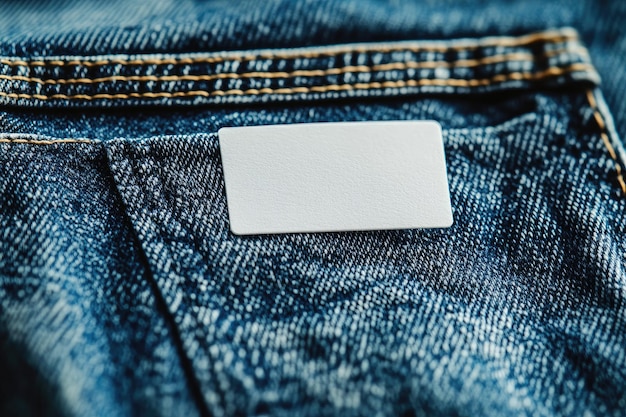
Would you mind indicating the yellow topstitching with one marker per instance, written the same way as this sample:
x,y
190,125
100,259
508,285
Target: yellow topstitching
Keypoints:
x,y
299,73
453,82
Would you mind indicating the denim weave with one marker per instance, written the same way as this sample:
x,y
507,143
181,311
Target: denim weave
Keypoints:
x,y
123,291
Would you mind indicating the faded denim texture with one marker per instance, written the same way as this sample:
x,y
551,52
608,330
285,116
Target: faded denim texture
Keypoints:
x,y
123,292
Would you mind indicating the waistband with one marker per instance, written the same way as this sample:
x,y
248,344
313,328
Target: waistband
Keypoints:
x,y
548,58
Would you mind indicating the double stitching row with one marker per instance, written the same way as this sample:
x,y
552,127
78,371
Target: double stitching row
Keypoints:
x,y
401,66
554,36
449,82
302,77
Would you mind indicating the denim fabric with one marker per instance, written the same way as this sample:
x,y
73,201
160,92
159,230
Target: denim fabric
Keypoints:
x,y
123,292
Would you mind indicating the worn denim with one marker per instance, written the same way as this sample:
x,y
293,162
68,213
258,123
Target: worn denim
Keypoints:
x,y
124,293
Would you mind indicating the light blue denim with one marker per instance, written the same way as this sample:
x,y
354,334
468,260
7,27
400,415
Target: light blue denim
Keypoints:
x,y
124,293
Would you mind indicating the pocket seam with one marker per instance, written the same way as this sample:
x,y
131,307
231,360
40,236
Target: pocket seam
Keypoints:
x,y
604,135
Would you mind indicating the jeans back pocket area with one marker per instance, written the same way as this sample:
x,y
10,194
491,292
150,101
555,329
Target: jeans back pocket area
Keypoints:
x,y
523,295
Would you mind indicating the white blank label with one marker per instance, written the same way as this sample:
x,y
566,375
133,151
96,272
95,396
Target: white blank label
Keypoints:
x,y
330,177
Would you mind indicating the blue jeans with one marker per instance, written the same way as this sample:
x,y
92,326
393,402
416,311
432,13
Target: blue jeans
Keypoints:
x,y
123,292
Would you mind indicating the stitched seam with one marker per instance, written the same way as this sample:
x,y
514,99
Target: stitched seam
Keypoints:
x,y
467,63
605,139
451,82
548,37
46,141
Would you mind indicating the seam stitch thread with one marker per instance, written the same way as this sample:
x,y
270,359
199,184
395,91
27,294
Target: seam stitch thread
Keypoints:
x,y
453,82
467,63
547,36
605,139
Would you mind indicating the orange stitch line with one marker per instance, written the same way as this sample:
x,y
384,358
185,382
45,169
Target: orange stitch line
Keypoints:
x,y
299,73
605,139
547,36
258,74
325,88
607,144
45,142
592,100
